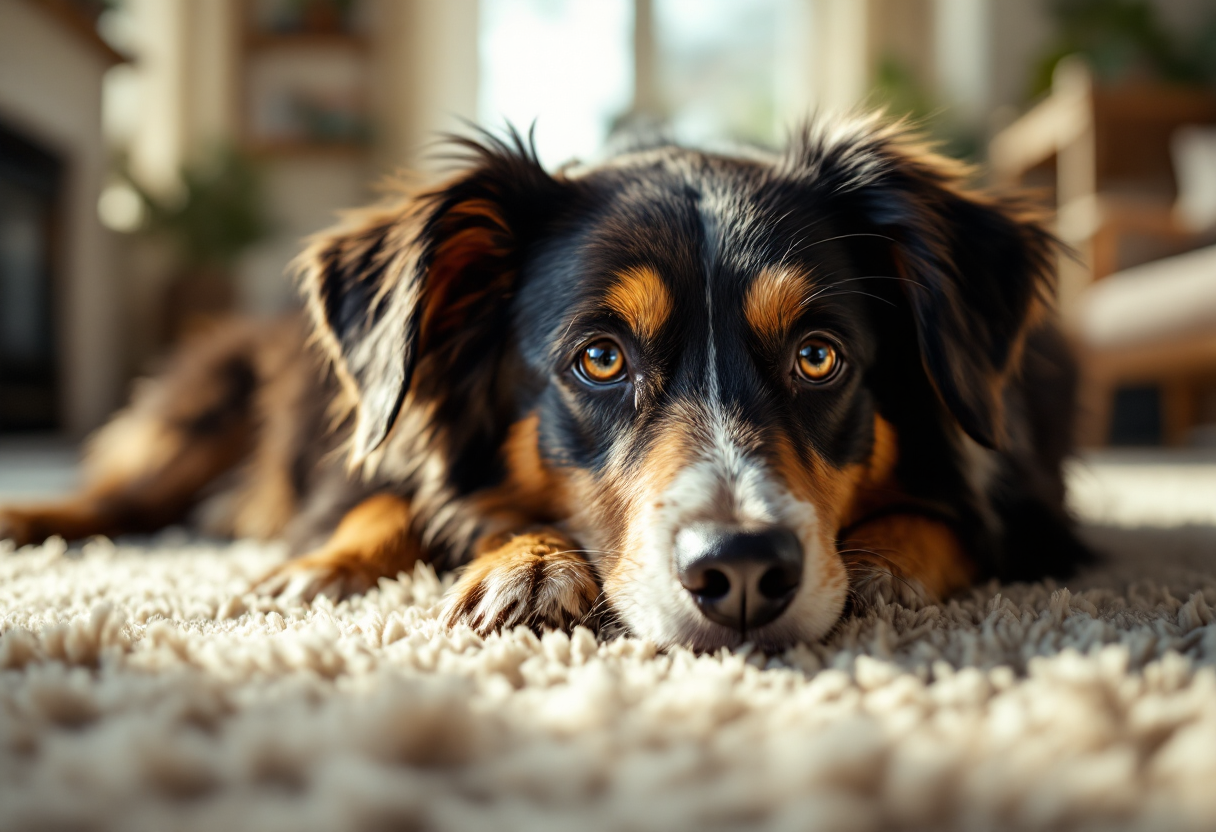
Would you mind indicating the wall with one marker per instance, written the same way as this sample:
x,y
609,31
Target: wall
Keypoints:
x,y
426,54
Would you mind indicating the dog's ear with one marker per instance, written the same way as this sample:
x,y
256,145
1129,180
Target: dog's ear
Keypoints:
x,y
976,269
393,284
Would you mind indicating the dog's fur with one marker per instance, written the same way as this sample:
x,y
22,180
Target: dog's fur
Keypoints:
x,y
449,420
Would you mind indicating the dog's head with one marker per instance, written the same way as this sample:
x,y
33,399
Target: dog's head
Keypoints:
x,y
692,361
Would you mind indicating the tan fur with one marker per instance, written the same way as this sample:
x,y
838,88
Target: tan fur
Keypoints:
x,y
774,301
920,550
532,491
374,540
642,301
831,490
666,456
880,468
876,485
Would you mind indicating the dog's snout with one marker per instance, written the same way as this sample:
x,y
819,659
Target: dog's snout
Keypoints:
x,y
739,579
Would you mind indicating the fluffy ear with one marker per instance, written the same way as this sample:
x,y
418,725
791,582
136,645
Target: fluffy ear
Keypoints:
x,y
977,270
392,285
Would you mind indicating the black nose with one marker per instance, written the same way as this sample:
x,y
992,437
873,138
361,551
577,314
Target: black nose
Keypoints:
x,y
739,579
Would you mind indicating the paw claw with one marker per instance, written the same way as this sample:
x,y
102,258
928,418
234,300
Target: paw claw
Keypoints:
x,y
540,587
304,579
273,582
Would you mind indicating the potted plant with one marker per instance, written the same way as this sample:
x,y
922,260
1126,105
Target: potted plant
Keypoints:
x,y
216,216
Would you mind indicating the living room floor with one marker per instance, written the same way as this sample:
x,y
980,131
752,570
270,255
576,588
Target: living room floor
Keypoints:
x,y
37,467
144,686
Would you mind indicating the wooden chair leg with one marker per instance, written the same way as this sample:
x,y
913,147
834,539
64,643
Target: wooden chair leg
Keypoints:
x,y
1178,410
1095,405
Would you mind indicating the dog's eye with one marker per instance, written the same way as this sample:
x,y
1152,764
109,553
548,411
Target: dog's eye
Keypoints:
x,y
818,360
602,362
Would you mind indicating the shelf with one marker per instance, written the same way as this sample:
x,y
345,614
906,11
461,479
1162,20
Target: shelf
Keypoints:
x,y
275,41
297,149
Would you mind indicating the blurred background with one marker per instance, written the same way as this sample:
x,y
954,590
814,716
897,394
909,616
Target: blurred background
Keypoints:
x,y
160,160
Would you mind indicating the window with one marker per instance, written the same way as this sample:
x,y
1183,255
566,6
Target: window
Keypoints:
x,y
720,64
721,69
568,66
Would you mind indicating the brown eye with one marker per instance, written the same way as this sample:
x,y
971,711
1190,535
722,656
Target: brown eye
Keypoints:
x,y
602,362
818,360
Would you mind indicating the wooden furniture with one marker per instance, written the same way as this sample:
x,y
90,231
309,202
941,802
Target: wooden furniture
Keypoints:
x,y
1103,156
303,78
1109,150
1151,325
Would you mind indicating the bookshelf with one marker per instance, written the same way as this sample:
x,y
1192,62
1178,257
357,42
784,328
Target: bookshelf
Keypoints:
x,y
304,78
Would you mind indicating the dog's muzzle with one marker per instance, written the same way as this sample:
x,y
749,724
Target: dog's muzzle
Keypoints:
x,y
741,579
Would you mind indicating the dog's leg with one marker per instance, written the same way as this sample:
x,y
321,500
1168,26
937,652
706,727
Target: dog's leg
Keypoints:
x,y
73,519
374,540
146,468
538,579
910,555
154,486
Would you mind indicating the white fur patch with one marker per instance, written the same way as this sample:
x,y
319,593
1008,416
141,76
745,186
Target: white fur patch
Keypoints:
x,y
725,485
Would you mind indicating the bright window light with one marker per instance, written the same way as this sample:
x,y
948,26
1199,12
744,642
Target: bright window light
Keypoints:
x,y
120,208
719,65
565,64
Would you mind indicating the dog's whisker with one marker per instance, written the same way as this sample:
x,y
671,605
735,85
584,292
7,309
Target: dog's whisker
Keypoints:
x,y
862,568
807,300
886,237
848,556
887,301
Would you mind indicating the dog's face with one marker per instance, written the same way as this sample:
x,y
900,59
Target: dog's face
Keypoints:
x,y
704,357
686,359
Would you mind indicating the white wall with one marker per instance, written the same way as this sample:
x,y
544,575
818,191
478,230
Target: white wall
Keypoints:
x,y
50,89
426,55
303,196
841,53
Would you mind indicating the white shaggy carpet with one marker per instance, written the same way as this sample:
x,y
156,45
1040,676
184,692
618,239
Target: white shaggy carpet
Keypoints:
x,y
141,688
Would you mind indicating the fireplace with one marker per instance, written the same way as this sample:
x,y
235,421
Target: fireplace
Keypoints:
x,y
30,187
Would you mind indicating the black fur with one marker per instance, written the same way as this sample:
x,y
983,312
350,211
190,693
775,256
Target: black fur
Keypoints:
x,y
455,320
934,289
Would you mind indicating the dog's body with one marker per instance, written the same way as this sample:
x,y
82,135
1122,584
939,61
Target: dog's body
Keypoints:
x,y
716,393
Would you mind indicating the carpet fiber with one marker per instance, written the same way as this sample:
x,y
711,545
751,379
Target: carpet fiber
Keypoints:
x,y
142,688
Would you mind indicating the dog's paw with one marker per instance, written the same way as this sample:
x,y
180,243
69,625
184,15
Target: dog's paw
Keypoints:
x,y
373,541
533,579
335,575
873,586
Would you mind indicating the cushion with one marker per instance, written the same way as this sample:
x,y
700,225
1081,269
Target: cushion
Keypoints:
x,y
1194,152
1163,300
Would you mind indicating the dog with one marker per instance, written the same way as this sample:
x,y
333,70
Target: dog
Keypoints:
x,y
707,398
